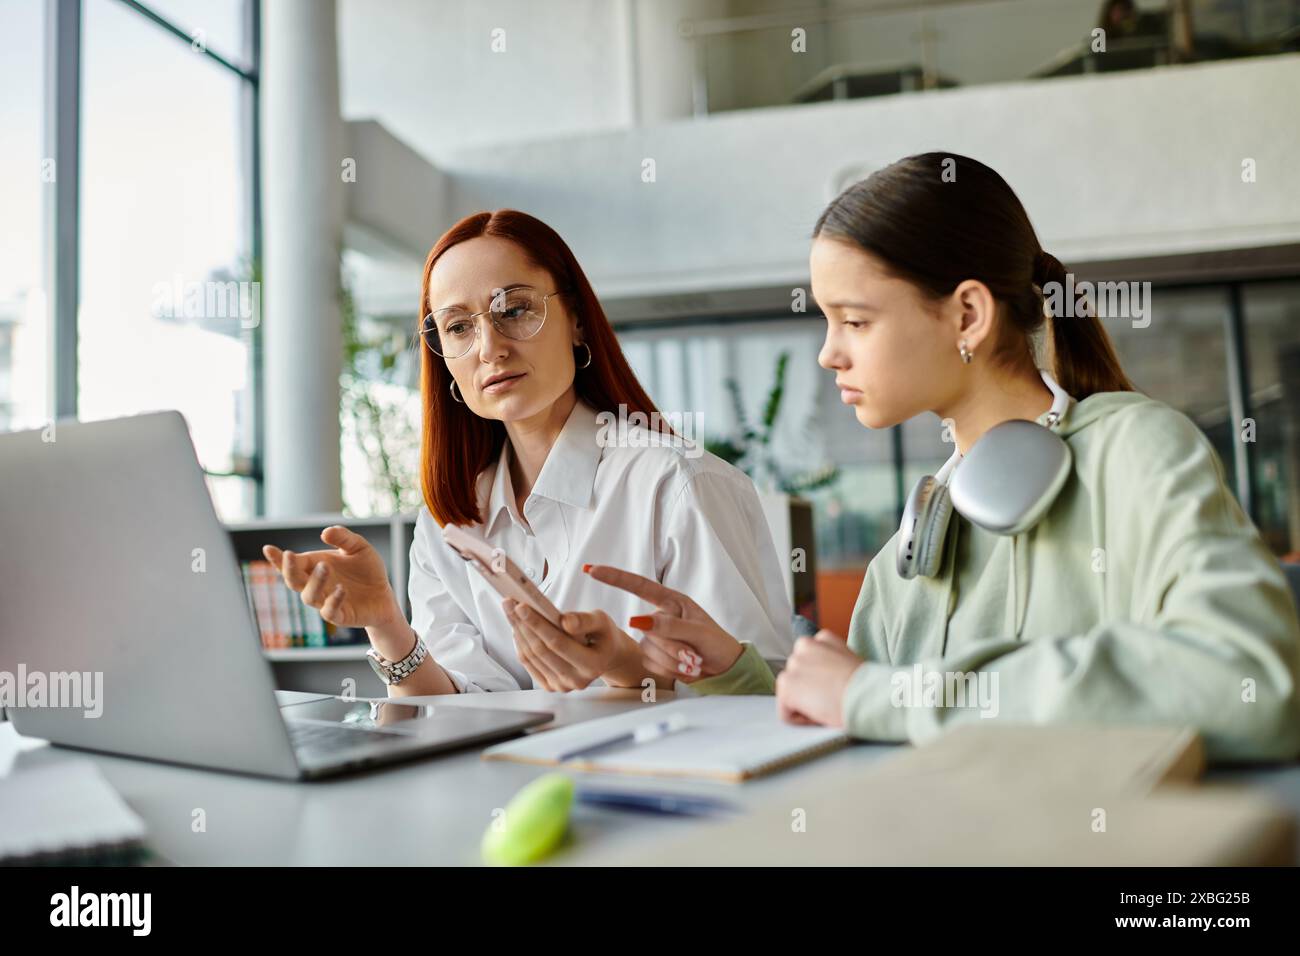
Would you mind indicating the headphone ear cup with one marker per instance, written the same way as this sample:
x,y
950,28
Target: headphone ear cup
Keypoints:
x,y
921,534
910,532
935,531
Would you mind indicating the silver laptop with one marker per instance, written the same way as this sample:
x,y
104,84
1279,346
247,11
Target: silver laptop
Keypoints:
x,y
114,569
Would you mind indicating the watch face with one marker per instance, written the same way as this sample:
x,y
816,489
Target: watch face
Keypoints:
x,y
375,666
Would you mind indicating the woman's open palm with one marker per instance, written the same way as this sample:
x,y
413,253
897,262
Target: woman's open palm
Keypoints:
x,y
348,583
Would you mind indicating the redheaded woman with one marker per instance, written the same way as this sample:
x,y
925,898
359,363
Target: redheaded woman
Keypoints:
x,y
521,378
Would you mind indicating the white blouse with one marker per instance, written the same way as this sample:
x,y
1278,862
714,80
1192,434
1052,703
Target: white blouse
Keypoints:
x,y
631,498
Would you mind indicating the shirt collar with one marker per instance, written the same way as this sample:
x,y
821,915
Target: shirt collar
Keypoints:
x,y
568,475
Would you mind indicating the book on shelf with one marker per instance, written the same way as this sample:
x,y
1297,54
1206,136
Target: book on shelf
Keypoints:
x,y
283,620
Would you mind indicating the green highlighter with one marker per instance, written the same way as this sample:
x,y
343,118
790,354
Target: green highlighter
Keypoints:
x,y
533,823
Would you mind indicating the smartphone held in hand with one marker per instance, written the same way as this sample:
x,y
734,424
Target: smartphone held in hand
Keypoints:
x,y
501,573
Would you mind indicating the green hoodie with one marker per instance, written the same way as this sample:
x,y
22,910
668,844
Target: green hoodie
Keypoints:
x,y
1143,596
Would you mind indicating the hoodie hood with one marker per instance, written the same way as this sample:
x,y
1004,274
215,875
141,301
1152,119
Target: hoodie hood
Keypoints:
x,y
1099,405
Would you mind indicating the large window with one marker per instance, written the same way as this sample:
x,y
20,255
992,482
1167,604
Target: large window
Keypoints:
x,y
168,306
161,305
379,411
1184,358
24,177
1273,346
218,24
1180,358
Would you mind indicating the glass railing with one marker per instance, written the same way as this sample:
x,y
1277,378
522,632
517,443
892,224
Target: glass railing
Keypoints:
x,y
776,57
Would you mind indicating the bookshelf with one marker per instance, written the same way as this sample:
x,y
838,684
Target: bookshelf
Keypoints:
x,y
342,652
324,669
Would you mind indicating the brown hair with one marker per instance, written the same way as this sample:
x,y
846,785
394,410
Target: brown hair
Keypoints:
x,y
457,445
937,219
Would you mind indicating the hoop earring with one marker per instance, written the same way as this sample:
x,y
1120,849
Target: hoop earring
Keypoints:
x,y
966,354
453,392
588,348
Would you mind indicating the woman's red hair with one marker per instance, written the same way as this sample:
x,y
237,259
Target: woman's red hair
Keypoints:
x,y
457,445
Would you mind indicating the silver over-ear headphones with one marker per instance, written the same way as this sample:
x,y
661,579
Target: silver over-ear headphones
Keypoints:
x,y
1005,484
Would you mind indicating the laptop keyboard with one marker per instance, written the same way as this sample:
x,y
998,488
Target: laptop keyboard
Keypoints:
x,y
323,739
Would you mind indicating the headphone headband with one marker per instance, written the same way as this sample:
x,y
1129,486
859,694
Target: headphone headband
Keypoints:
x,y
1060,399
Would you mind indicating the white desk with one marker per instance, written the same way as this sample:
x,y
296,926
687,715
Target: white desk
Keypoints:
x,y
433,810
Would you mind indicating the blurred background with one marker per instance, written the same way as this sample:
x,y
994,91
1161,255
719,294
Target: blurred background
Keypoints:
x,y
223,206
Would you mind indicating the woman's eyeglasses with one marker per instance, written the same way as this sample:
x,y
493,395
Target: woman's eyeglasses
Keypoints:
x,y
516,313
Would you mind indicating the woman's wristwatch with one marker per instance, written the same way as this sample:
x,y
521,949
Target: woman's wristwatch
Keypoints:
x,y
391,672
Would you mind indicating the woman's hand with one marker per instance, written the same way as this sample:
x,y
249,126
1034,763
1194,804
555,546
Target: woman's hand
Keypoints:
x,y
680,639
811,688
589,646
349,584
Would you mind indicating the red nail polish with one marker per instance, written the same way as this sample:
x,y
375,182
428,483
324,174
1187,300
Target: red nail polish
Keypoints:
x,y
586,569
642,622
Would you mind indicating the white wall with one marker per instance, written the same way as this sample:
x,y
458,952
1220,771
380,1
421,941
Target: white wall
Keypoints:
x,y
427,71
394,196
1116,166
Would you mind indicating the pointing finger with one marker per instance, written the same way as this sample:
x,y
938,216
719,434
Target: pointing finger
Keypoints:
x,y
665,625
666,599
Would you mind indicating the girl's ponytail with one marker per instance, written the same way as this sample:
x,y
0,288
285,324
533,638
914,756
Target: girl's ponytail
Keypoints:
x,y
1083,357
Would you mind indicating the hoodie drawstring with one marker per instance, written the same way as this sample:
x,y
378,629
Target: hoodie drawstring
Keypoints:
x,y
1020,581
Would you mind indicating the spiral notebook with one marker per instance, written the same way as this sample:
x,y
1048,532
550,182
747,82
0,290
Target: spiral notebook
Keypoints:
x,y
729,738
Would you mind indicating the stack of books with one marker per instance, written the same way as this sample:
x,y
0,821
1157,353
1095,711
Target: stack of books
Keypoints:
x,y
282,618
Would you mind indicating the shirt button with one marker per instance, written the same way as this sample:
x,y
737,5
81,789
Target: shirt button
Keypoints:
x,y
531,572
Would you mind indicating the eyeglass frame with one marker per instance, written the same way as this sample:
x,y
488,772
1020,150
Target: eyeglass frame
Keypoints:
x,y
473,317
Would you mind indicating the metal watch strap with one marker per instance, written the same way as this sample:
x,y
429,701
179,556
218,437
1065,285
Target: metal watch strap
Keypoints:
x,y
395,673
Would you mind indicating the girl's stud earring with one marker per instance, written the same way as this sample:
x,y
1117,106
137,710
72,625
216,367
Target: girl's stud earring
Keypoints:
x,y
966,354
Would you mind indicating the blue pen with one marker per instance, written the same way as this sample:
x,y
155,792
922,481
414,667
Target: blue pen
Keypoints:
x,y
667,804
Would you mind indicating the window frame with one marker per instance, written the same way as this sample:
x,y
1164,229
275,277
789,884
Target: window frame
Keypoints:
x,y
62,108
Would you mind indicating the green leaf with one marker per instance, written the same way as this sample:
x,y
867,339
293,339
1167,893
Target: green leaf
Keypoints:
x,y
811,481
774,397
